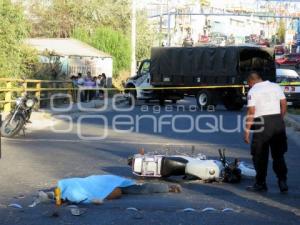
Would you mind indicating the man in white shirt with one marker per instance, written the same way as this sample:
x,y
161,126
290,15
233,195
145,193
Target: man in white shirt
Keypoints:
x,y
266,109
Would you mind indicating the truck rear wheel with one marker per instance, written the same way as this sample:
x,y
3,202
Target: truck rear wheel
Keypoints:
x,y
204,99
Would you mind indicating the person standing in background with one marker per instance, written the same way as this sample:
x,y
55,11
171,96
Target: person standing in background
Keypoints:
x,y
89,85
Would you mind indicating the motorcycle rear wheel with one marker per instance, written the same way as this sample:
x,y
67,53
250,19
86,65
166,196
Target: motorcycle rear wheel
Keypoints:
x,y
9,128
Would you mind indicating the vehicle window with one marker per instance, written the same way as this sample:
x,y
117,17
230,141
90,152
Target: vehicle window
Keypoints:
x,y
145,68
293,79
245,65
287,79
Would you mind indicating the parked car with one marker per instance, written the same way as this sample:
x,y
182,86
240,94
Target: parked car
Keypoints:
x,y
289,60
289,80
279,50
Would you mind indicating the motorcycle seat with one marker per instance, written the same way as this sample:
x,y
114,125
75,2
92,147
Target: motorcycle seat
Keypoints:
x,y
173,166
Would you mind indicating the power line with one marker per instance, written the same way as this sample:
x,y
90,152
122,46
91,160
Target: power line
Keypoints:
x,y
226,14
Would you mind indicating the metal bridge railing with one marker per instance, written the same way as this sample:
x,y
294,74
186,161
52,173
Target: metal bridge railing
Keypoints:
x,y
42,89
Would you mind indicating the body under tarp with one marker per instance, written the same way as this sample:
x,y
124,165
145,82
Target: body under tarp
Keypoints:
x,y
92,188
179,66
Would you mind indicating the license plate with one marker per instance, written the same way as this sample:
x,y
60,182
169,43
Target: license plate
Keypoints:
x,y
289,103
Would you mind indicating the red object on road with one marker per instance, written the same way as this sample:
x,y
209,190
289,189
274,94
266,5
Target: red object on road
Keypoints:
x,y
289,60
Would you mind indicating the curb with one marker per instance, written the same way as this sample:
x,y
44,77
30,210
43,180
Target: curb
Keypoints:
x,y
290,121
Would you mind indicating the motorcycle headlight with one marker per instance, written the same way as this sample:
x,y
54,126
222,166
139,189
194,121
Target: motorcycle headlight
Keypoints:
x,y
18,101
29,103
212,171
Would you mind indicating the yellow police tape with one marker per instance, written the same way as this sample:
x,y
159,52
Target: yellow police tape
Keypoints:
x,y
290,84
173,88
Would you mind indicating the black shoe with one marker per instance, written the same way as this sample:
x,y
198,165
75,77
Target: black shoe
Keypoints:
x,y
258,188
283,186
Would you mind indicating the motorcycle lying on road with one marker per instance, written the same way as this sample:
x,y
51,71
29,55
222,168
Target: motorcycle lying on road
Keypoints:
x,y
19,116
190,167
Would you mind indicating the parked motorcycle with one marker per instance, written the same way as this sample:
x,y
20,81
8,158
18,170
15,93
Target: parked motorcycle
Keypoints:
x,y
19,116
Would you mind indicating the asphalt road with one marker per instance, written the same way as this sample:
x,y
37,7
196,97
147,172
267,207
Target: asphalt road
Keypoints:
x,y
38,160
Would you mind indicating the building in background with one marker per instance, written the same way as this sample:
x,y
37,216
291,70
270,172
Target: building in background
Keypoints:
x,y
215,20
75,56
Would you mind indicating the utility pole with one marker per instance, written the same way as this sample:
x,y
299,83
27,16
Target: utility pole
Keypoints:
x,y
160,25
169,24
133,37
0,135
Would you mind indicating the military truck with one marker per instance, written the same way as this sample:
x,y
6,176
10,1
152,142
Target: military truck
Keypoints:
x,y
213,75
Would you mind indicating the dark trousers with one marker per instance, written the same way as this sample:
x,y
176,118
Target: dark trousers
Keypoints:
x,y
272,136
89,95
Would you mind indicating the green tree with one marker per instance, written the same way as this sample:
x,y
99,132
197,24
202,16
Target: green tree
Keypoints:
x,y
59,18
281,31
110,41
15,59
145,37
66,18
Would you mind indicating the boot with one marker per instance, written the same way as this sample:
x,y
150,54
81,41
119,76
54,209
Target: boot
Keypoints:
x,y
258,187
283,186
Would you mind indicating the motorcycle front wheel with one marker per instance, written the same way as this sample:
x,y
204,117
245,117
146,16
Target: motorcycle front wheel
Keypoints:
x,y
11,128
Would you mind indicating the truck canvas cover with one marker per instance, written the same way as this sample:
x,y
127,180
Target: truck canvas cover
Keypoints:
x,y
193,66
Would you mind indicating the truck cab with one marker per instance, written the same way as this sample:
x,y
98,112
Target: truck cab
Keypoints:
x,y
138,86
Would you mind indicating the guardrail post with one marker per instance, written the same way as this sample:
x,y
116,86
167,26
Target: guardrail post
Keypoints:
x,y
38,94
25,86
71,92
8,94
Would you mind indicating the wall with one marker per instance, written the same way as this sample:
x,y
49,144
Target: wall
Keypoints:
x,y
95,65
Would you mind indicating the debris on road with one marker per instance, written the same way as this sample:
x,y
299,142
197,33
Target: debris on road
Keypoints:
x,y
229,210
20,197
247,169
34,203
189,210
136,213
208,209
42,197
76,211
132,209
15,205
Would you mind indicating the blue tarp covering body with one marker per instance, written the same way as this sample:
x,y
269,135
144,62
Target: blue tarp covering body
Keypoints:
x,y
96,187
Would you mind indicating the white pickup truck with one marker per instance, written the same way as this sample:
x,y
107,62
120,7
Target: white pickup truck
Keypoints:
x,y
289,80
